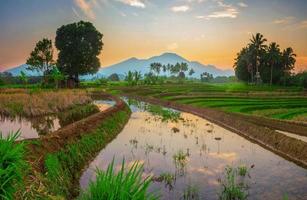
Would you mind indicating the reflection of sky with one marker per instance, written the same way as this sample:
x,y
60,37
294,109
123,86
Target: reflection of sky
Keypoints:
x,y
153,142
194,29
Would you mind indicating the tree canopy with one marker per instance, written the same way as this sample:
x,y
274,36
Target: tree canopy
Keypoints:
x,y
258,62
41,58
79,44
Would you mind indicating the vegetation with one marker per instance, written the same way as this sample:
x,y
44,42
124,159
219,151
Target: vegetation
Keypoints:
x,y
78,44
41,58
77,113
164,113
64,166
121,185
232,186
258,62
40,102
268,101
12,166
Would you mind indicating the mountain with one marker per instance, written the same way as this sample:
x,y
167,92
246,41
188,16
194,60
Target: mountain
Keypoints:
x,y
142,65
15,71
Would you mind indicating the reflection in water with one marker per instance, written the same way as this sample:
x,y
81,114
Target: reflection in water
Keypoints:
x,y
37,126
204,150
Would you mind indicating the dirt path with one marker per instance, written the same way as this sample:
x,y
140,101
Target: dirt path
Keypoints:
x,y
290,148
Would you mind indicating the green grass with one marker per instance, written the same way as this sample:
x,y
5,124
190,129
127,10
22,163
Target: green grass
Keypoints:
x,y
63,167
122,185
12,166
77,113
273,102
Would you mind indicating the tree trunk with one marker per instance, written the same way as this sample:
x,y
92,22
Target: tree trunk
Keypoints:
x,y
271,81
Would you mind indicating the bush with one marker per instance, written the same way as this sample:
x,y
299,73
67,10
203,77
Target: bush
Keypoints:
x,y
12,165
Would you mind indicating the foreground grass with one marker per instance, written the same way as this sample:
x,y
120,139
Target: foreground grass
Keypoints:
x,y
122,185
12,166
63,168
40,102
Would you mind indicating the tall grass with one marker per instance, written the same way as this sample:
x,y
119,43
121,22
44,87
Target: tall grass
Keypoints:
x,y
122,185
12,165
42,102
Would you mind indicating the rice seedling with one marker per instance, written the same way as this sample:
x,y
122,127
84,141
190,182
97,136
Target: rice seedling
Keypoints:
x,y
242,170
191,193
164,113
232,187
12,166
120,185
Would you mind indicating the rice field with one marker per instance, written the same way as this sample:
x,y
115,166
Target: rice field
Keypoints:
x,y
272,102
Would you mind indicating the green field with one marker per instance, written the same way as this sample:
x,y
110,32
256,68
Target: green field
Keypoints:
x,y
274,102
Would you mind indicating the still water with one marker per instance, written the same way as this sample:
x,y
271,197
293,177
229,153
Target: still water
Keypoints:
x,y
35,127
208,149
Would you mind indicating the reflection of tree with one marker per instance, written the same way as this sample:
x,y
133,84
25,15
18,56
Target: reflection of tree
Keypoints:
x,y
43,125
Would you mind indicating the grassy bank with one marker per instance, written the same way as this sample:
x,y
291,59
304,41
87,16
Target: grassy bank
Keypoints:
x,y
62,168
40,102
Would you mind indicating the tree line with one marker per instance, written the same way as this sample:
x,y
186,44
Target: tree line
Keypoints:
x,y
261,63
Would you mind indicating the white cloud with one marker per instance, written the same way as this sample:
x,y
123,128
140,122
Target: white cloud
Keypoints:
x,y
86,7
227,11
183,8
172,46
303,24
285,20
134,3
242,4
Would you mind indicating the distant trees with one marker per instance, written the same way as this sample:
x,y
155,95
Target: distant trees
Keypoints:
x,y
79,44
41,58
133,78
258,62
206,77
114,77
179,69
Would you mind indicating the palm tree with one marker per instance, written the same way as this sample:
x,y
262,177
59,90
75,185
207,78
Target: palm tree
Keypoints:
x,y
288,57
257,44
156,67
274,56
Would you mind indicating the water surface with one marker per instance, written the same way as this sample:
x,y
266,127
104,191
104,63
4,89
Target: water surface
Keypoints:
x,y
208,149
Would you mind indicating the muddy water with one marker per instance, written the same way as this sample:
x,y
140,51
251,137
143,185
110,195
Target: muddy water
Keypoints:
x,y
35,127
208,149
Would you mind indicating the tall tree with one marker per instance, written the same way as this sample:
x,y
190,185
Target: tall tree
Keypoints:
x,y
273,55
257,44
79,44
288,60
41,58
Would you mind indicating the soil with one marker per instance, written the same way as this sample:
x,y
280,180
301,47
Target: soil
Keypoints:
x,y
252,128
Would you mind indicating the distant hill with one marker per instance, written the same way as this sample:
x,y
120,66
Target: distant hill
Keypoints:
x,y
142,65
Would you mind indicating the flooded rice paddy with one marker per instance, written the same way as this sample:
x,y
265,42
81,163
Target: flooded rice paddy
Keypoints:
x,y
205,149
37,126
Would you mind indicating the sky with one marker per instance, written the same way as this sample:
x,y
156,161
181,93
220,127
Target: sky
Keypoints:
x,y
208,31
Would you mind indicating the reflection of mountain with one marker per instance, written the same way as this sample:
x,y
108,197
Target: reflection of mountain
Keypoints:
x,y
142,65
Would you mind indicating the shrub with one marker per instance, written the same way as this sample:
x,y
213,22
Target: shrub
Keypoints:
x,y
12,165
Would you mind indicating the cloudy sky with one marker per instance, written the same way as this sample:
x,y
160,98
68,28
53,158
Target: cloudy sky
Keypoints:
x,y
209,31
